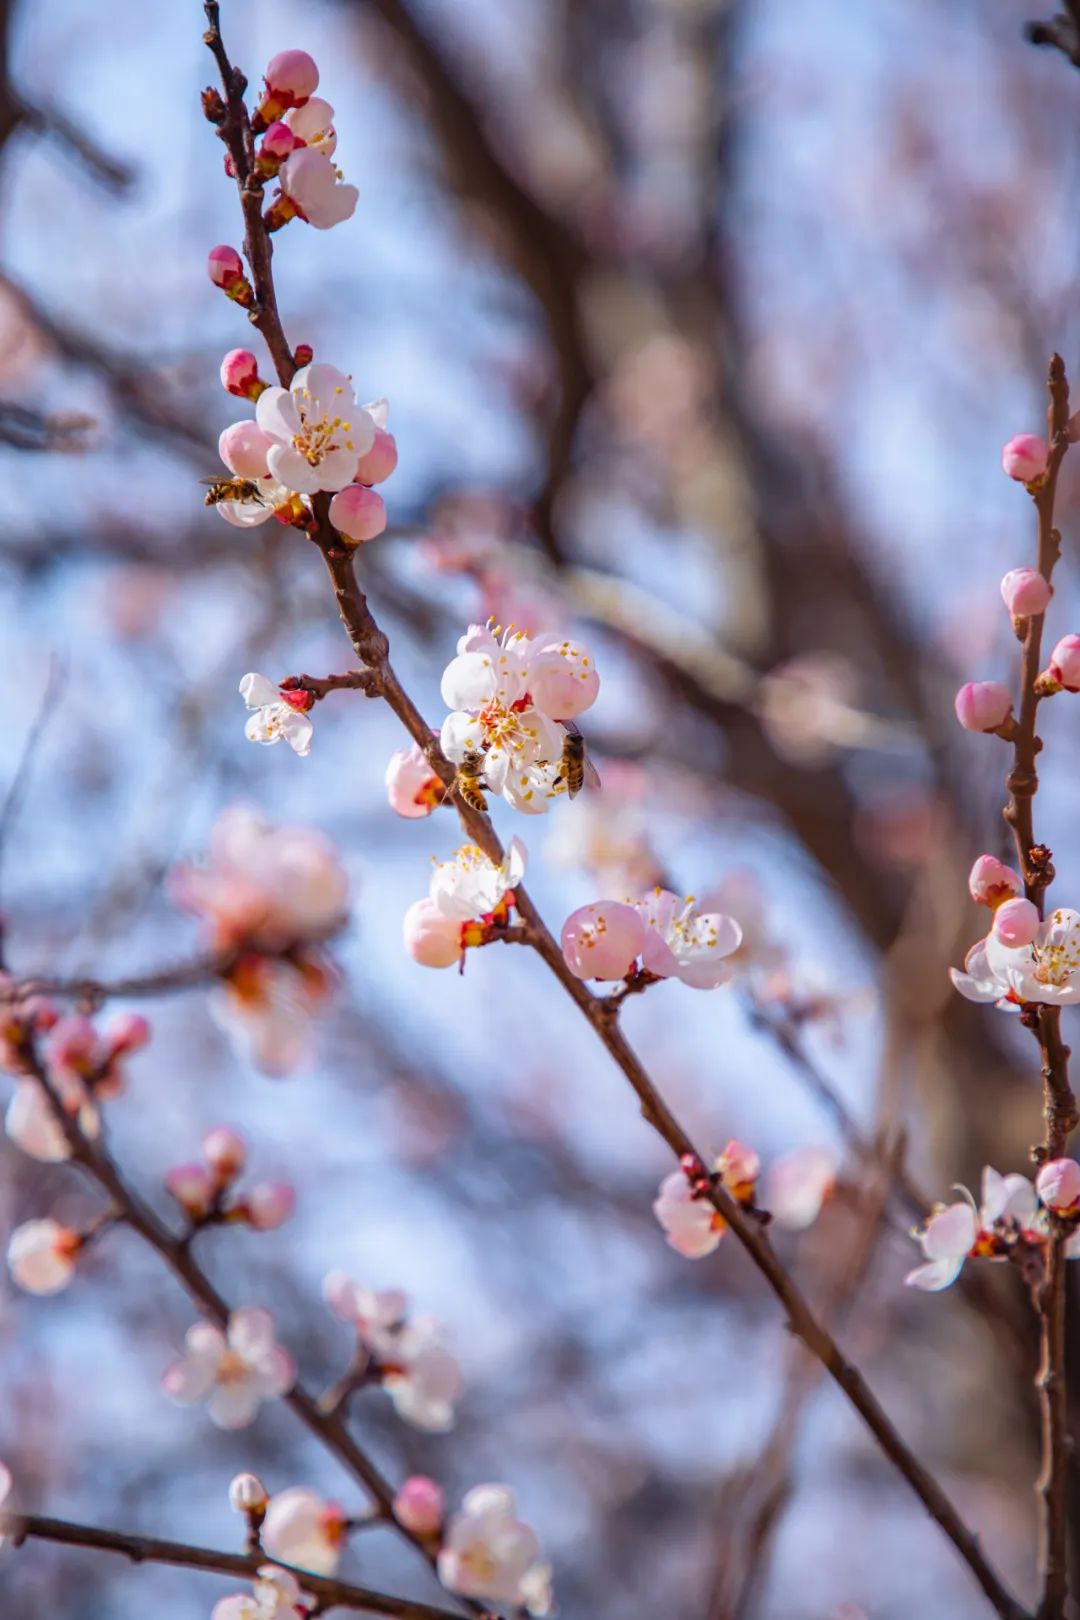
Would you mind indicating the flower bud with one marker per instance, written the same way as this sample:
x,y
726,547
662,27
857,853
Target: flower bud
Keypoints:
x,y
563,681
226,270
291,77
127,1032
1016,923
303,355
740,1167
430,938
358,513
380,460
1024,457
1058,1185
41,1255
269,1205
248,1494
991,881
419,1505
603,940
225,1151
1065,663
240,374
983,705
243,448
276,145
1025,592
193,1188
412,787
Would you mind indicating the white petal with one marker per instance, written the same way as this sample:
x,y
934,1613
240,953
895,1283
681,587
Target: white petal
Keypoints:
x,y
234,1405
297,730
293,470
932,1278
275,413
263,727
257,691
337,469
950,1234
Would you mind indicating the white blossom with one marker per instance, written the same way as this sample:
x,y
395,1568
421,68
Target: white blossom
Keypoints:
x,y
275,1595
1046,971
489,1553
685,944
234,1370
1009,1208
319,432
41,1255
304,1529
273,716
471,885
316,188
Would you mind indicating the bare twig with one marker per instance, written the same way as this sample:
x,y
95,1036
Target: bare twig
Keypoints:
x,y
332,1594
16,792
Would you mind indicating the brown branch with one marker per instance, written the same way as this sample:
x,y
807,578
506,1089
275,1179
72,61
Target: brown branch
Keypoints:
x,y
1059,1105
94,991
372,648
332,1594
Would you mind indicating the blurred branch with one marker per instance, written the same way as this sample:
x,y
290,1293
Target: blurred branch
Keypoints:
x,y
25,429
152,1550
112,173
13,800
1062,32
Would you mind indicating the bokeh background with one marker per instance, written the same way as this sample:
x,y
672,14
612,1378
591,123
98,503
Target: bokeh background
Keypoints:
x,y
702,322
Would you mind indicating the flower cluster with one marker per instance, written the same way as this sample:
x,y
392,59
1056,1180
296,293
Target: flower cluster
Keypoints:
x,y
405,1355
796,1187
1011,1220
661,934
234,1370
508,693
1023,960
266,896
468,903
204,1189
84,1066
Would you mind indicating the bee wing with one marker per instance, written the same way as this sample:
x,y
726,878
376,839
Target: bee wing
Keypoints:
x,y
592,775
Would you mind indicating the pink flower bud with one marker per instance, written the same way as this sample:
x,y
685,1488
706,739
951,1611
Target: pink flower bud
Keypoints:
x,y
983,705
1024,457
603,940
1016,923
269,1205
419,1505
248,1494
358,513
303,354
226,270
380,460
193,1188
225,1151
991,881
1058,1185
292,76
41,1255
277,143
128,1032
1025,592
243,447
430,938
1065,663
240,374
740,1167
412,787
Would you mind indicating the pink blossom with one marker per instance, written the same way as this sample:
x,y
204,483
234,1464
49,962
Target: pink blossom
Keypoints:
x,y
193,1187
225,1151
991,881
412,787
983,705
264,886
488,1552
316,190
740,1167
1009,1209
269,1205
1065,663
562,678
419,1374
797,1185
382,458
419,1505
31,1124
432,939
1025,456
1047,971
1016,922
684,944
243,448
603,940
1025,592
240,374
234,1370
1058,1185
358,513
268,1008
692,1226
304,1529
41,1255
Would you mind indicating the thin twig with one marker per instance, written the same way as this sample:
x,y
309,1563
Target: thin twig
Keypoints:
x,y
331,1593
16,792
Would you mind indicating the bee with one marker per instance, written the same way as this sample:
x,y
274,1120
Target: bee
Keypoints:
x,y
231,489
470,780
577,769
